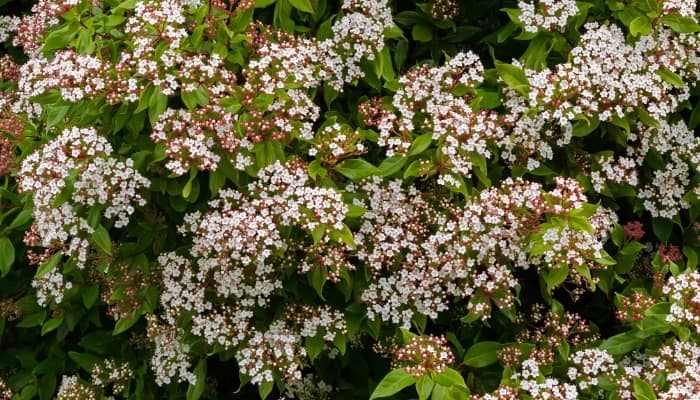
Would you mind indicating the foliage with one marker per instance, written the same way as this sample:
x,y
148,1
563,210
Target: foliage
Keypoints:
x,y
362,199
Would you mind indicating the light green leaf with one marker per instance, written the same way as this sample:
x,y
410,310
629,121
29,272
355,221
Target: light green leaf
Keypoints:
x,y
194,392
514,77
640,26
420,144
356,169
671,78
302,5
424,387
393,382
643,390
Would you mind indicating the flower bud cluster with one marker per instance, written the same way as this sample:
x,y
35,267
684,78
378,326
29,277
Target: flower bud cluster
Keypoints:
x,y
423,355
632,307
111,373
70,174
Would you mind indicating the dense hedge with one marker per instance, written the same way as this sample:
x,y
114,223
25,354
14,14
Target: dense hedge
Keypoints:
x,y
307,199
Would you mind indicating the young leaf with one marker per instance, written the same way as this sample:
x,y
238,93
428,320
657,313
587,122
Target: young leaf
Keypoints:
x,y
514,77
393,382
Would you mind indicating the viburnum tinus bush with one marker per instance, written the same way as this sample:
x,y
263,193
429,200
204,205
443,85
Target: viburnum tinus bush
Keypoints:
x,y
362,199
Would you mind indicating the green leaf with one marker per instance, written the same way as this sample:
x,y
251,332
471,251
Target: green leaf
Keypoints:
x,y
86,361
671,78
49,265
393,382
424,387
585,127
101,238
422,33
7,256
680,24
263,3
156,105
621,344
21,219
450,377
535,57
640,26
643,390
51,325
514,77
302,5
265,389
90,295
126,323
60,37
441,392
314,346
391,165
356,169
317,279
555,276
482,354
194,392
662,228
420,144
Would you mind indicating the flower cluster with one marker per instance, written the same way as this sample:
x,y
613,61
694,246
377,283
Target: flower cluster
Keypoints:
x,y
71,174
531,380
237,246
5,392
589,365
75,76
427,101
32,27
423,355
308,388
684,291
677,361
548,15
472,253
606,79
8,27
196,138
50,287
170,359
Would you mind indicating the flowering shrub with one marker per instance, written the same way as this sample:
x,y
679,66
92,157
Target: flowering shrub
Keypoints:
x,y
362,199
